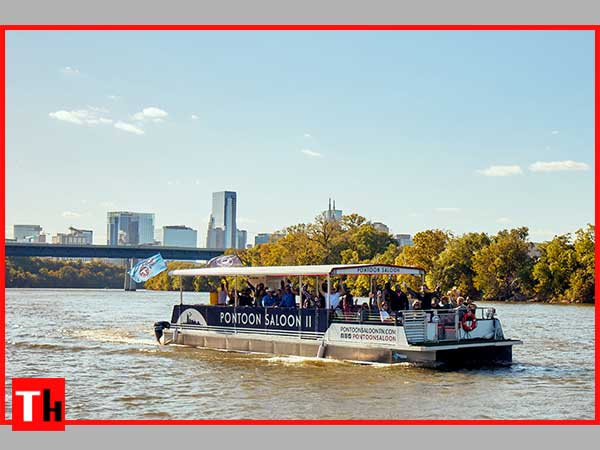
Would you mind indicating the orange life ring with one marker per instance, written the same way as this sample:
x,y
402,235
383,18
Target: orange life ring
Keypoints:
x,y
469,316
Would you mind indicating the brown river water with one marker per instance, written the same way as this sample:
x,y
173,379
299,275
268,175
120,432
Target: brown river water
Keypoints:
x,y
102,342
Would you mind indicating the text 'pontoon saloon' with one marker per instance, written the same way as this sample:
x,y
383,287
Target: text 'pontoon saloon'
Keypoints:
x,y
367,333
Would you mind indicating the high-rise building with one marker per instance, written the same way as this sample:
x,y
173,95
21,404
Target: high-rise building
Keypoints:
x,y
381,227
222,224
265,238
28,233
403,240
179,236
332,214
74,237
130,228
242,237
262,238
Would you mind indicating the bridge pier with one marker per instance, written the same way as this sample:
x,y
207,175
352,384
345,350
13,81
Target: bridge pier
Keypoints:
x,y
129,284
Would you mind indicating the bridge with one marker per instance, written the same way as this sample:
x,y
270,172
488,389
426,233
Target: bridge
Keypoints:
x,y
110,251
127,252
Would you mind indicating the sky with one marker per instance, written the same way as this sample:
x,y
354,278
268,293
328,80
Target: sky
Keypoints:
x,y
459,130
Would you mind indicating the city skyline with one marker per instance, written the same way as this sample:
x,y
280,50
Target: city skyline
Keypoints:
x,y
465,131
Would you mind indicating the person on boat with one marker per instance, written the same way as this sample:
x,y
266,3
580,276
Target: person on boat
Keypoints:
x,y
244,298
347,303
306,297
222,294
390,296
258,292
270,299
347,294
461,308
445,303
401,300
385,315
288,299
363,313
231,297
425,296
334,295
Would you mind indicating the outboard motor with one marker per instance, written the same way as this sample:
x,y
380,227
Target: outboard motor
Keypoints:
x,y
159,327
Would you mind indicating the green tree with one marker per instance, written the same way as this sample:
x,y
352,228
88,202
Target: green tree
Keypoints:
x,y
552,271
454,266
582,280
503,268
426,250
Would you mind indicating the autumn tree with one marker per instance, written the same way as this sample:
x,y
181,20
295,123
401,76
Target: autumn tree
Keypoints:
x,y
503,268
454,266
553,270
428,245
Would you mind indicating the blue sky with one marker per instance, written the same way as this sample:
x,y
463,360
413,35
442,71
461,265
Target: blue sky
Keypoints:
x,y
465,131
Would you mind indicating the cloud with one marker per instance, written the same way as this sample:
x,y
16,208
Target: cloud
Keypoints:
x,y
195,117
451,210
413,214
150,113
114,97
312,153
555,166
501,171
90,116
70,214
554,131
130,128
71,71
503,220
307,135
107,204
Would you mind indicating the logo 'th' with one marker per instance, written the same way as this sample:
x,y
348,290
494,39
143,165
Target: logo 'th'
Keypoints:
x,y
38,404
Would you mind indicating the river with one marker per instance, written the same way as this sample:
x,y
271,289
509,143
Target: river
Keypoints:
x,y
102,343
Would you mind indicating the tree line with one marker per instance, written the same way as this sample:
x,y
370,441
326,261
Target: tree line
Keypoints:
x,y
26,272
504,266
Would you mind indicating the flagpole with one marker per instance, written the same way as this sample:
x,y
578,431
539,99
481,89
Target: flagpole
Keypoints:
x,y
180,291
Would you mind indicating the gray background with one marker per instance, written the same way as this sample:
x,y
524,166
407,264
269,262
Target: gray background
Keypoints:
x,y
305,12
302,12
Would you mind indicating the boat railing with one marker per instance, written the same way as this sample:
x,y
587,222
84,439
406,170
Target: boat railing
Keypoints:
x,y
447,323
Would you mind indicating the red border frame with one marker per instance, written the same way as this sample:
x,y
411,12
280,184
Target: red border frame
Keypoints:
x,y
4,28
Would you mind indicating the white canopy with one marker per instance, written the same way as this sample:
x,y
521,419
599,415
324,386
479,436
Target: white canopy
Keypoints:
x,y
288,271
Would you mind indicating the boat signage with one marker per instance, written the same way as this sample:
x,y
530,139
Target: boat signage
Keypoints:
x,y
291,319
381,335
377,270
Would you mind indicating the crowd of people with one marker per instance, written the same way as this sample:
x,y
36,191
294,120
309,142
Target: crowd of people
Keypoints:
x,y
389,304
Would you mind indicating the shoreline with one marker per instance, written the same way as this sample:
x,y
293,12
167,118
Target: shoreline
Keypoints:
x,y
508,302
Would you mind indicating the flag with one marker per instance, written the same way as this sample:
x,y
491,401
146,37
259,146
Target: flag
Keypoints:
x,y
225,261
147,268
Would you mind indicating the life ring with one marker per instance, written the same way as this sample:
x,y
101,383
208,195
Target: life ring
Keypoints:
x,y
469,316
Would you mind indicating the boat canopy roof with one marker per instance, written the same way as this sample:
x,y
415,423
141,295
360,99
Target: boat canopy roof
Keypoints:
x,y
283,271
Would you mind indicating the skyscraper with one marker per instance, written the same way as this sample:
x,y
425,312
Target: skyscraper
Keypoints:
x,y
242,238
129,228
222,230
332,214
222,224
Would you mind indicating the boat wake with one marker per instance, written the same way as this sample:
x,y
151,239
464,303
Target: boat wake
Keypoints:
x,y
112,335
